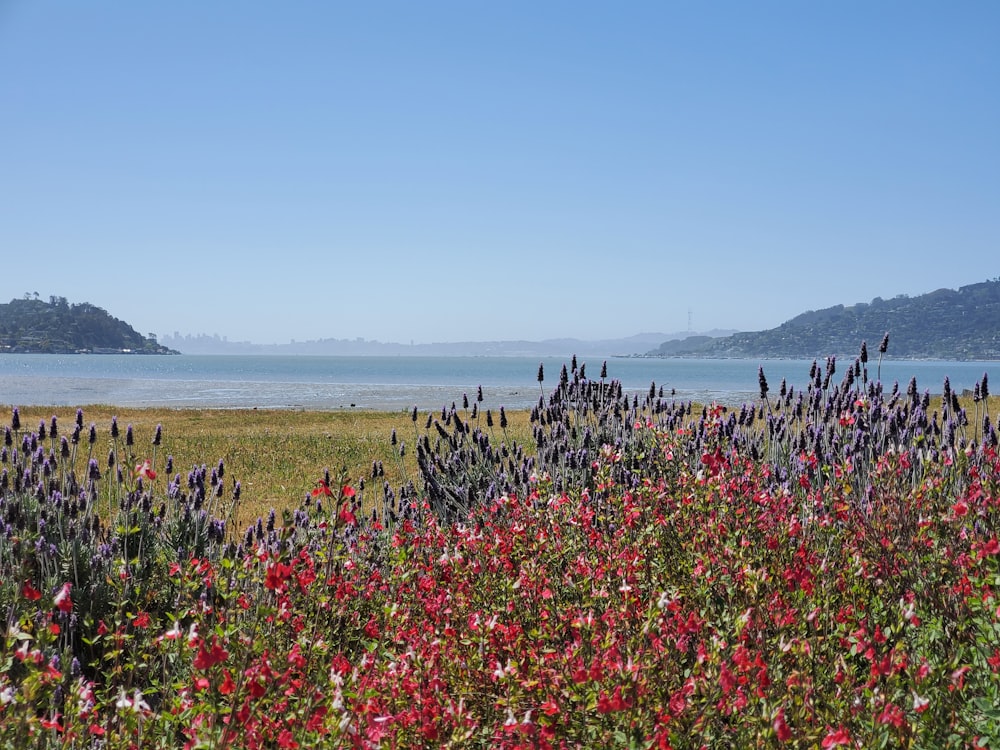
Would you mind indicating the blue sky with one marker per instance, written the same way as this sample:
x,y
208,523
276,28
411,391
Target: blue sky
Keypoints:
x,y
447,171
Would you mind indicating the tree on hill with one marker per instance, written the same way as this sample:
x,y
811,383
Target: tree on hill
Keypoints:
x,y
33,325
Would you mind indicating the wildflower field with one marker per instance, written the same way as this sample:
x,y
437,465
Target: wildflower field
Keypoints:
x,y
817,569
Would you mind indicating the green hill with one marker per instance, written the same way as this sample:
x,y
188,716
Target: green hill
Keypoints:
x,y
57,327
961,324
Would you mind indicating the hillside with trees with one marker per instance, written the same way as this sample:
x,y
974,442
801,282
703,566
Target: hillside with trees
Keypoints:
x,y
32,325
961,324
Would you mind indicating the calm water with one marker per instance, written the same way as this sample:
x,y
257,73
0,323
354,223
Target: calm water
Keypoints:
x,y
399,383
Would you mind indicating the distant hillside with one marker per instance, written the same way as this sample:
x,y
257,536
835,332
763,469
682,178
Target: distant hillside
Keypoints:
x,y
945,324
57,327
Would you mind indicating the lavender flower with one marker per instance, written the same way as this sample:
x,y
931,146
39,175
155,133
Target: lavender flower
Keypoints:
x,y
762,381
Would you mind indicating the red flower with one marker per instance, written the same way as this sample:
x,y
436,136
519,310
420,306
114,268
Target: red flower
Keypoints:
x,y
994,661
322,489
347,491
145,470
892,714
836,739
52,723
277,574
30,593
141,620
713,461
550,707
62,599
227,686
207,658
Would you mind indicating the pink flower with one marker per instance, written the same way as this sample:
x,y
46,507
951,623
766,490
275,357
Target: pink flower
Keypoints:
x,y
62,599
780,727
145,470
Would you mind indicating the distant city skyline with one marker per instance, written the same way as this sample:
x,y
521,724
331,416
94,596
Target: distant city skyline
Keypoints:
x,y
444,171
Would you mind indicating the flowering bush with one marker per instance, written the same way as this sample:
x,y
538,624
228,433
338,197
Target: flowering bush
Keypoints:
x,y
816,571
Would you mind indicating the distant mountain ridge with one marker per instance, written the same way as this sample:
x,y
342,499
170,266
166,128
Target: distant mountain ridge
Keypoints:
x,y
57,327
962,324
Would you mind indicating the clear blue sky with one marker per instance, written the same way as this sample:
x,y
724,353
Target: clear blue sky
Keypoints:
x,y
445,171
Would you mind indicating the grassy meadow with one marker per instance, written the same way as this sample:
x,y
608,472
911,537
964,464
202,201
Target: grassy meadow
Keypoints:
x,y
277,455
816,569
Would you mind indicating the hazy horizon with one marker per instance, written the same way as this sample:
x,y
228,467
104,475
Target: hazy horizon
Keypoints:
x,y
447,172
641,335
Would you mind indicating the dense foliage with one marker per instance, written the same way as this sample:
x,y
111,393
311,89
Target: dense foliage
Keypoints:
x,y
818,569
944,324
33,325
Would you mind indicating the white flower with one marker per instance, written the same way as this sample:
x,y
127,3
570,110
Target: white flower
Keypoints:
x,y
135,703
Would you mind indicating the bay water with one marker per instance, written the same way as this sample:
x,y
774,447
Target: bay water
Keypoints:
x,y
402,382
